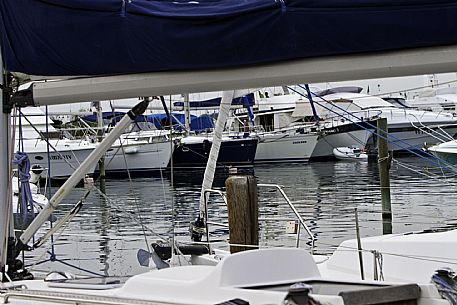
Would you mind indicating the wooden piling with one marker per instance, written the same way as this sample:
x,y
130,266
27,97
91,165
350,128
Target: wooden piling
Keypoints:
x,y
384,166
100,136
101,167
243,211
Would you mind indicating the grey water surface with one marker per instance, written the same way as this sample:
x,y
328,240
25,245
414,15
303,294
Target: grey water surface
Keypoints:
x,y
106,234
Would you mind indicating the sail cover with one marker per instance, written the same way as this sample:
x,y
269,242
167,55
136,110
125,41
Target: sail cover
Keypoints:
x,y
110,37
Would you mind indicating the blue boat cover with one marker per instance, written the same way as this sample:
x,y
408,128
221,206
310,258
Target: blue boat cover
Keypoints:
x,y
200,123
160,121
246,101
109,37
106,115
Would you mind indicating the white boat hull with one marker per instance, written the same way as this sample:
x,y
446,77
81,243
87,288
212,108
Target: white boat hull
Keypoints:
x,y
445,151
406,257
256,277
288,146
328,142
349,154
138,156
404,137
62,163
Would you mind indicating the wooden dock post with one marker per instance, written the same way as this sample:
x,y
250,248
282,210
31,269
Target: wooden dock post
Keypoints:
x,y
100,136
101,167
243,211
384,166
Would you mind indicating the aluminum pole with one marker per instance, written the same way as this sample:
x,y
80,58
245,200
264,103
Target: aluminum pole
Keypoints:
x,y
210,169
6,185
187,113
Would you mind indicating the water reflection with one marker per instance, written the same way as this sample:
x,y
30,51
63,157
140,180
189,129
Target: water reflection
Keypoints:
x,y
105,236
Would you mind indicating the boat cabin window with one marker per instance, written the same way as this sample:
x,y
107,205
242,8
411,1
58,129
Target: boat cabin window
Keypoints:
x,y
267,122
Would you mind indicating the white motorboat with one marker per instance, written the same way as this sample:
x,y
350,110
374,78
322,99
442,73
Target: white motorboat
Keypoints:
x,y
437,100
409,128
65,156
446,151
350,154
59,155
293,112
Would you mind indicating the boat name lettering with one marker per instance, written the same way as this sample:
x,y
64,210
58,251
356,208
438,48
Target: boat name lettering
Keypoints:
x,y
298,142
60,157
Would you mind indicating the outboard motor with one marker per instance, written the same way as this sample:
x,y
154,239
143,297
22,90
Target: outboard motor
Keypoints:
x,y
35,173
197,229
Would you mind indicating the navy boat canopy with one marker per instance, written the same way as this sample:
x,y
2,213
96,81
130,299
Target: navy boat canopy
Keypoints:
x,y
110,37
200,123
106,115
160,121
246,101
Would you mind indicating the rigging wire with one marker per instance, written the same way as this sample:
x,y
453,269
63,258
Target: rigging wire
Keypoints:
x,y
138,218
430,158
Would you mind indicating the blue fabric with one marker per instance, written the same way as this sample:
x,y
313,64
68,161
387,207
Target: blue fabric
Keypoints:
x,y
196,123
202,122
25,202
106,115
107,37
160,120
247,100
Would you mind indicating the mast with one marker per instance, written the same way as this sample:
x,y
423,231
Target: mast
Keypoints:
x,y
5,170
210,169
310,98
187,113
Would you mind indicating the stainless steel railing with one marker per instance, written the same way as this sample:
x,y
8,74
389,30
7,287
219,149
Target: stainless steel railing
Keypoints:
x,y
302,223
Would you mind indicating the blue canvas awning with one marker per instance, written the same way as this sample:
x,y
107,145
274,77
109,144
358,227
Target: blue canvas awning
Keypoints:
x,y
110,37
160,121
106,115
246,101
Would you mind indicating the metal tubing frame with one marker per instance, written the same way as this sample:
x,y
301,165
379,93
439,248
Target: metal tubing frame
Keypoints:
x,y
222,194
300,219
73,298
205,200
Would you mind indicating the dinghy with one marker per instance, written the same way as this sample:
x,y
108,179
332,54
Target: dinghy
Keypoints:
x,y
350,154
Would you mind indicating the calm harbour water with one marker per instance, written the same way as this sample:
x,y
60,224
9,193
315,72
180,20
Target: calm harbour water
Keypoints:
x,y
105,236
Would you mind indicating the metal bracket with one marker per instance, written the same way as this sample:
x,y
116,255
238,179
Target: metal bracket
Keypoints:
x,y
7,105
23,98
12,97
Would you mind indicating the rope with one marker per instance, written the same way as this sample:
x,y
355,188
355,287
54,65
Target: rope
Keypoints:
x,y
26,203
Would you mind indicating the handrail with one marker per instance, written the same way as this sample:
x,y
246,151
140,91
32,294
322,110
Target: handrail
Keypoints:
x,y
205,201
279,188
302,222
73,298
